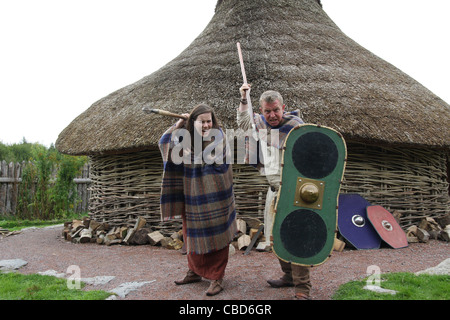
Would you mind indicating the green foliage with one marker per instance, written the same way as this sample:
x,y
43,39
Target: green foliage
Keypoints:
x,y
15,286
63,192
408,287
17,152
47,190
13,223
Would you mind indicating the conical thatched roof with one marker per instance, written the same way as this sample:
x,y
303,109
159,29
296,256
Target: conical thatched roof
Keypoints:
x,y
289,45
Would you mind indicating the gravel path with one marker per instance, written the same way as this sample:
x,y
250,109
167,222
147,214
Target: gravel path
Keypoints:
x,y
245,279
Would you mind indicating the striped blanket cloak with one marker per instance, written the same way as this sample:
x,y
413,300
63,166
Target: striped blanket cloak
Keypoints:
x,y
203,193
264,132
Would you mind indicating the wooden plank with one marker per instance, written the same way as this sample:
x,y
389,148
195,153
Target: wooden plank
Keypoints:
x,y
9,190
15,186
10,180
3,187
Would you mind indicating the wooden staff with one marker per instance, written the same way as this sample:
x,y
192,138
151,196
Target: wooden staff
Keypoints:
x,y
247,93
163,113
241,60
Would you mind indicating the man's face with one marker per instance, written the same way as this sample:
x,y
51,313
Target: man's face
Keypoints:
x,y
203,124
272,112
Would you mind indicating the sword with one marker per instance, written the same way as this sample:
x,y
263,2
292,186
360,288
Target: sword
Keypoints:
x,y
244,77
163,113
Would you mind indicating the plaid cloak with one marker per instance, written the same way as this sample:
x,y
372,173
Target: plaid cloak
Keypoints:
x,y
264,130
203,193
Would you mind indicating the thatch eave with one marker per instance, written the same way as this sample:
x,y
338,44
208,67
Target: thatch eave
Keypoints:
x,y
290,46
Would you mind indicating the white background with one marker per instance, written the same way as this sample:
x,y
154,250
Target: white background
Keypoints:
x,y
57,57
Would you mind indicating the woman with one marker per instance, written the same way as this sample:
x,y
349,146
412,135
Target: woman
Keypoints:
x,y
200,190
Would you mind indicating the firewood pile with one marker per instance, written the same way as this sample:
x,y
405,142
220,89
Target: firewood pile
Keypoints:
x,y
249,234
91,231
429,228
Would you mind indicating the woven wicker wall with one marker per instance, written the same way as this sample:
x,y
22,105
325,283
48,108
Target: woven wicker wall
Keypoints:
x,y
412,182
126,186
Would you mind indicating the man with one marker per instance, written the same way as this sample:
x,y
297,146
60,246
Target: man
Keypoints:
x,y
272,126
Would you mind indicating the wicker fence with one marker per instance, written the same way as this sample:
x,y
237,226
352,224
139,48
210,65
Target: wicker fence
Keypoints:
x,y
411,181
11,177
120,188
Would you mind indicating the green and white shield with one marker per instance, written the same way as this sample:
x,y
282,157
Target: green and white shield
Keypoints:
x,y
305,221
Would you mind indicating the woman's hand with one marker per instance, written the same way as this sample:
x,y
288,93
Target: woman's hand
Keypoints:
x,y
181,123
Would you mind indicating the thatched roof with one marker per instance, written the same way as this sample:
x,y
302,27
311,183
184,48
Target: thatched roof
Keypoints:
x,y
289,45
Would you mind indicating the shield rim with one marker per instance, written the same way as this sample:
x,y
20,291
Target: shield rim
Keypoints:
x,y
329,243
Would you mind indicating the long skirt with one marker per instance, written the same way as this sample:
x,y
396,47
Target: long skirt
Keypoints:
x,y
209,265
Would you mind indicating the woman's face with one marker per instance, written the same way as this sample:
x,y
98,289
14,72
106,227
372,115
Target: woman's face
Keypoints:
x,y
203,124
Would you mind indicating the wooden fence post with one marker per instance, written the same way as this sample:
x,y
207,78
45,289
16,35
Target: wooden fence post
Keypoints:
x,y
11,177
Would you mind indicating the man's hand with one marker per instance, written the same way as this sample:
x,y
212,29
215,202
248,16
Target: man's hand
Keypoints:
x,y
243,90
245,93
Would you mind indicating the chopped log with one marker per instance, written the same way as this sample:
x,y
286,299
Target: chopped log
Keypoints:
x,y
444,221
130,233
231,250
85,236
140,237
434,234
76,224
429,224
422,235
411,234
412,239
65,232
140,223
241,226
111,242
155,237
339,245
112,235
104,226
445,234
252,222
174,244
177,235
244,241
397,216
86,222
75,240
253,232
123,232
75,233
101,238
93,225
165,241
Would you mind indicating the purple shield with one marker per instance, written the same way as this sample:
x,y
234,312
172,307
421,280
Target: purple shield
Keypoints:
x,y
353,223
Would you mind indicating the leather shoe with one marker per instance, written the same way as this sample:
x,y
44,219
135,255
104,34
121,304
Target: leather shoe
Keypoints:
x,y
302,296
190,277
214,288
280,283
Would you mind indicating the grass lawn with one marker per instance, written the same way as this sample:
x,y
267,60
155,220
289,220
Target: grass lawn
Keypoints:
x,y
407,285
16,286
15,224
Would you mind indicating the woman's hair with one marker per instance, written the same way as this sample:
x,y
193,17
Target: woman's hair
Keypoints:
x,y
198,110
